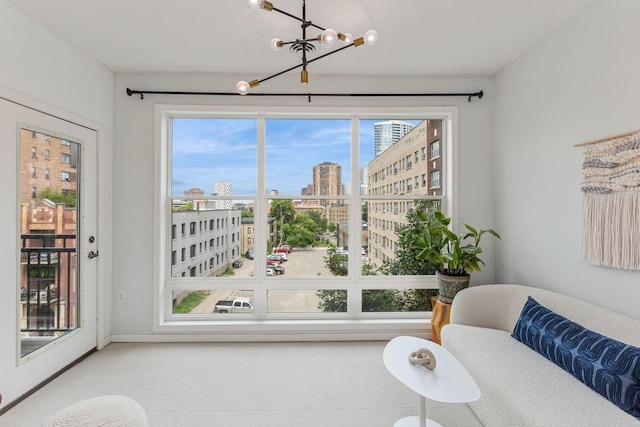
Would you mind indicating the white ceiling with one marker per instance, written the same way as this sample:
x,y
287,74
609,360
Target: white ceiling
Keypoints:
x,y
415,36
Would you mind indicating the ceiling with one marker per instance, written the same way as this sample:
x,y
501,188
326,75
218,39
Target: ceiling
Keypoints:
x,y
415,36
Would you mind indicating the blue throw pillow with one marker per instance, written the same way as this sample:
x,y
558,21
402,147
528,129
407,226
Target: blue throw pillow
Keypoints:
x,y
609,367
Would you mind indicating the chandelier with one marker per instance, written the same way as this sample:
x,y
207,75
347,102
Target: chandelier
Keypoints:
x,y
304,45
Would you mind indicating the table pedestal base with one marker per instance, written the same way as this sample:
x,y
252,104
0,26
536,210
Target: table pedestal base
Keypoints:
x,y
421,421
414,422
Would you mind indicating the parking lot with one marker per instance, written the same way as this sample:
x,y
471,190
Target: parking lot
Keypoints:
x,y
300,263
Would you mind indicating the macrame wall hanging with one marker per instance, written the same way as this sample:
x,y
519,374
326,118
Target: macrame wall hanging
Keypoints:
x,y
611,202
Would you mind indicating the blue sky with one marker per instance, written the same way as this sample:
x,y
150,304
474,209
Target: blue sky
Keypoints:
x,y
206,151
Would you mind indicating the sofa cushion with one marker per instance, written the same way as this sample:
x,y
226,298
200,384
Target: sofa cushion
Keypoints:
x,y
608,366
521,388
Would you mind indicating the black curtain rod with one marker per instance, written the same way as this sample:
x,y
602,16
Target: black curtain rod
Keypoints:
x,y
132,92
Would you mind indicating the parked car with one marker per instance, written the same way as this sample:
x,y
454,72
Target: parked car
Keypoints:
x,y
237,263
273,262
277,269
277,257
283,249
283,255
238,305
249,254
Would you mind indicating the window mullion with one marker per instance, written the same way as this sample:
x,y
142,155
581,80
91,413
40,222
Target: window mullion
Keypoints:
x,y
354,295
260,222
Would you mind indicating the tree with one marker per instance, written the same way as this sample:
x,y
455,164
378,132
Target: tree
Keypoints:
x,y
283,211
337,263
405,261
244,213
56,196
298,235
365,212
323,223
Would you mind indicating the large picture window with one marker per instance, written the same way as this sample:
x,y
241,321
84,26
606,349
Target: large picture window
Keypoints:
x,y
296,216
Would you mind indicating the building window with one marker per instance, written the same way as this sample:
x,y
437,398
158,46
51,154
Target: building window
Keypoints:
x,y
46,154
46,174
65,176
192,228
174,258
435,149
33,172
337,189
192,251
34,192
435,179
173,232
184,254
65,158
33,152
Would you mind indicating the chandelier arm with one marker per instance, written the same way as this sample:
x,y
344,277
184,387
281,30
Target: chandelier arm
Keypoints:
x,y
297,18
302,63
281,72
329,53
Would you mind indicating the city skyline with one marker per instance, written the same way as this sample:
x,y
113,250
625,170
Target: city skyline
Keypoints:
x,y
206,151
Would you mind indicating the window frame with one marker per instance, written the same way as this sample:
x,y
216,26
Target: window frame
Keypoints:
x,y
353,323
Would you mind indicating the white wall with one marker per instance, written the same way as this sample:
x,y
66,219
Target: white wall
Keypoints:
x,y
41,70
579,84
134,148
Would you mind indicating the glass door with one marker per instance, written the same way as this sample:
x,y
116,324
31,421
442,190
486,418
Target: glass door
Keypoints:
x,y
51,263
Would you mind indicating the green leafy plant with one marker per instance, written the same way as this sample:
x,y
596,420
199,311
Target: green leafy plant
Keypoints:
x,y
448,252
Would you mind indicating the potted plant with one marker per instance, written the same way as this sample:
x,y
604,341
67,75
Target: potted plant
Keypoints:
x,y
453,256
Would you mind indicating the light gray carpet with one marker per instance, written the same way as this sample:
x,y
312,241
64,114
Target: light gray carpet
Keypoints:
x,y
241,384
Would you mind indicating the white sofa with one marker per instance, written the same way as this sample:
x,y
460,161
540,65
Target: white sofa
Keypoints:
x,y
519,386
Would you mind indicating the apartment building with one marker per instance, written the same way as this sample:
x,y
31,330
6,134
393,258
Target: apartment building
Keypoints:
x,y
411,166
327,181
204,243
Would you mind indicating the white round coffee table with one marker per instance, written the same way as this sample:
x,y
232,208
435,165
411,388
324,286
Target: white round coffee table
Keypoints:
x,y
448,382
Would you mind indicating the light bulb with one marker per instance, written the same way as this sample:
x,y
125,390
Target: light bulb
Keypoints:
x,y
348,38
243,87
276,44
328,37
255,4
370,37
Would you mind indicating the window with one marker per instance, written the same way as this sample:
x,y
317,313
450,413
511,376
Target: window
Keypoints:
x,y
65,176
309,199
34,192
435,179
435,149
46,174
33,172
33,152
46,154
65,158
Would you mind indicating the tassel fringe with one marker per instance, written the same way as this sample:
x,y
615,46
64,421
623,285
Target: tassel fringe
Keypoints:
x,y
611,229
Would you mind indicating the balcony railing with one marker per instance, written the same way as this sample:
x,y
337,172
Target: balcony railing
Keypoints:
x,y
48,290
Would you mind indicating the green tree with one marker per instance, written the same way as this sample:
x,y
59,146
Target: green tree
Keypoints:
x,y
405,262
298,235
244,213
57,196
337,263
282,210
365,212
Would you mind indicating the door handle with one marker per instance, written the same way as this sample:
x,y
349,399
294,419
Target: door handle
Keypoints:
x,y
92,254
